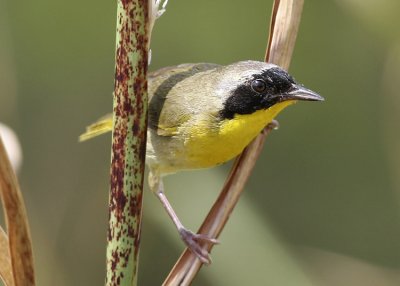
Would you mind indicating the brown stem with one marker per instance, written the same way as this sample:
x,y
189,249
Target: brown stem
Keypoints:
x,y
6,273
19,237
283,31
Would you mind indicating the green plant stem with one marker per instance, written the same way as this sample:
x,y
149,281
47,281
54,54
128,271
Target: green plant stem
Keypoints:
x,y
128,142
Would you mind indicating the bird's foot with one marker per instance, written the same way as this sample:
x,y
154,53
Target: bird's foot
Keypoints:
x,y
192,241
273,125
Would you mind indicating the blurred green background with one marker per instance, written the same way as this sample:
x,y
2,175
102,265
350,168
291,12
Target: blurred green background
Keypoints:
x,y
322,206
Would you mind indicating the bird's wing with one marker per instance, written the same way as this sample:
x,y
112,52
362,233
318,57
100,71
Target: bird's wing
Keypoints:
x,y
169,106
166,111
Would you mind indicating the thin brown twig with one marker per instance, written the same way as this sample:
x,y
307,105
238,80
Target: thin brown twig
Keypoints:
x,y
6,273
19,237
283,31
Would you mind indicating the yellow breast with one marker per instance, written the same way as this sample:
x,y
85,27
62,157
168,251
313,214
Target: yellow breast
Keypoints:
x,y
208,147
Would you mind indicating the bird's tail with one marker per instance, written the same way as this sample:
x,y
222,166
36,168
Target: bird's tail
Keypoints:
x,y
101,126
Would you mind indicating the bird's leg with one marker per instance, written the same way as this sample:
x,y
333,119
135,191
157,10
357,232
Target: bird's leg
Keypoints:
x,y
189,238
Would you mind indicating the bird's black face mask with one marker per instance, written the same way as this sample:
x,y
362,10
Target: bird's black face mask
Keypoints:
x,y
262,91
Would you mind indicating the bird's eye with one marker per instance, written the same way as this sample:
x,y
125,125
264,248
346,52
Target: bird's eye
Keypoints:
x,y
258,85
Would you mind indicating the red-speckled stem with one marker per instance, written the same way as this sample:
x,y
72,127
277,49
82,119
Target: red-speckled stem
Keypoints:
x,y
128,142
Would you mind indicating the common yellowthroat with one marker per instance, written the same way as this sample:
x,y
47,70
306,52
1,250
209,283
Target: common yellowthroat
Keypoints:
x,y
202,115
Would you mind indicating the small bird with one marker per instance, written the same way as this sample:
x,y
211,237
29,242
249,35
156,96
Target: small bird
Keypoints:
x,y
202,115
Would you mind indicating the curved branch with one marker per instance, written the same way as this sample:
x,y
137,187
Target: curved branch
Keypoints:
x,y
283,31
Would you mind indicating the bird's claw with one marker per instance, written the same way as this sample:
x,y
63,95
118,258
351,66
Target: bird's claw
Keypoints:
x,y
273,125
192,241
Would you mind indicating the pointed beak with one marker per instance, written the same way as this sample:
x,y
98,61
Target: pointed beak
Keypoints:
x,y
301,93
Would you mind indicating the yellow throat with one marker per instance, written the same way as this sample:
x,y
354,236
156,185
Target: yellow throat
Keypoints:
x,y
209,147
